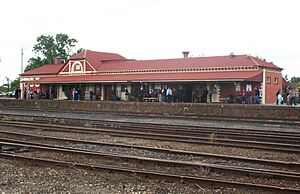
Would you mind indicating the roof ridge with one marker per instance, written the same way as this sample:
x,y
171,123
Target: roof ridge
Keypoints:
x,y
256,63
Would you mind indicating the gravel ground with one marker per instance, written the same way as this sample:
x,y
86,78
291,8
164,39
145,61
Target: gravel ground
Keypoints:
x,y
17,177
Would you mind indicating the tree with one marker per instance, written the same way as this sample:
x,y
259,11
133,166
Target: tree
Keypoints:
x,y
48,47
15,84
295,79
286,78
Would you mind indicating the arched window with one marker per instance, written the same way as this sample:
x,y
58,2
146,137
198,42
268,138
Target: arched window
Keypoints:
x,y
77,67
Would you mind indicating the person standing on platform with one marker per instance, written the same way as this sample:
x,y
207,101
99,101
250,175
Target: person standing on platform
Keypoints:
x,y
278,92
17,94
28,94
257,93
209,95
141,95
249,96
279,99
293,97
169,95
39,93
25,94
94,95
73,94
78,94
126,94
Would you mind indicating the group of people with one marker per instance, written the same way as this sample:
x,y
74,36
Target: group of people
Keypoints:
x,y
35,94
204,95
291,97
244,97
75,94
168,94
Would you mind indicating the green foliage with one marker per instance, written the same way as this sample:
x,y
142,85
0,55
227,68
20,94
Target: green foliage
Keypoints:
x,y
212,137
59,121
295,80
7,118
15,84
88,125
48,47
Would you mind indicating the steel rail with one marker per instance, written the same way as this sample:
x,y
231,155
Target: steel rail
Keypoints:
x,y
292,138
215,168
175,129
151,174
192,128
290,165
162,137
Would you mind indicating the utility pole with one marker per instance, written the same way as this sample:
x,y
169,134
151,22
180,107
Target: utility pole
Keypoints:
x,y
22,59
7,79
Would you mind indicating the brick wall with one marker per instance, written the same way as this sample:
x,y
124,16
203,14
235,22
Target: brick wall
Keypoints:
x,y
271,87
180,109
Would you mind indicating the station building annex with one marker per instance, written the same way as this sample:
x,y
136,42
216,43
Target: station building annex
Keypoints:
x,y
104,73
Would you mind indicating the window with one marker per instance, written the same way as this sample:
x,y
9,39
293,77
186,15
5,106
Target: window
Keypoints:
x,y
237,87
276,80
268,80
77,67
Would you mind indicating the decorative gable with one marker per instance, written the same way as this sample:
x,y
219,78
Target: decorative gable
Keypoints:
x,y
77,67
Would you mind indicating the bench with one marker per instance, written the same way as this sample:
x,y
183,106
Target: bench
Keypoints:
x,y
151,99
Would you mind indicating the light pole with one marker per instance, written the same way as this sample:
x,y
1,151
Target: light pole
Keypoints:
x,y
22,56
7,79
22,59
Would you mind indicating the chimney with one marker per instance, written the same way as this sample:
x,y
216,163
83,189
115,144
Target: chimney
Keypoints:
x,y
57,60
185,54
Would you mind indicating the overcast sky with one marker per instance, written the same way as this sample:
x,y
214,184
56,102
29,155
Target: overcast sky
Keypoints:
x,y
155,29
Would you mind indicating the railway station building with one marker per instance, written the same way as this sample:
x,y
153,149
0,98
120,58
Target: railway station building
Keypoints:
x,y
109,76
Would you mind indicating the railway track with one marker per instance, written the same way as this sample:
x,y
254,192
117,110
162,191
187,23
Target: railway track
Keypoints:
x,y
179,129
167,136
21,137
285,121
142,161
193,171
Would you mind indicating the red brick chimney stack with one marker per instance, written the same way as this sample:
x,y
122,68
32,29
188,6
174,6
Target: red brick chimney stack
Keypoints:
x,y
57,60
185,54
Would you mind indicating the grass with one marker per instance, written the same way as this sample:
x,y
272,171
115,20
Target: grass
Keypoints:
x,y
59,121
212,137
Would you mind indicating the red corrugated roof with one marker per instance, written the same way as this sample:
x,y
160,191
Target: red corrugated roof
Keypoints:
x,y
199,62
45,70
113,62
96,58
264,63
184,76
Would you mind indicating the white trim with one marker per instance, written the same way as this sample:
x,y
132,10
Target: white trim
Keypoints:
x,y
86,62
76,63
264,87
67,65
144,81
180,70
